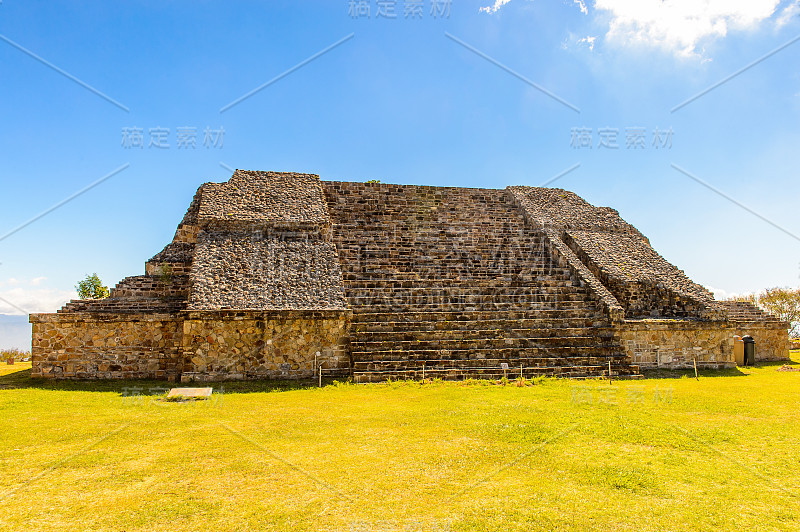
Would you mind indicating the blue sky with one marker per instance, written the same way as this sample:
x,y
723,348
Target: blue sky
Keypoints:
x,y
402,102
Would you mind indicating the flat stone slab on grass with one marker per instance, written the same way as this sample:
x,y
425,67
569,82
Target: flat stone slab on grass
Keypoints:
x,y
194,393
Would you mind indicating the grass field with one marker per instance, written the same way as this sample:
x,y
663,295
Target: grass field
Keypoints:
x,y
664,453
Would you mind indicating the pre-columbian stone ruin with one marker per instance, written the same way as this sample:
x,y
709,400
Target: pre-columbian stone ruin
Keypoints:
x,y
274,275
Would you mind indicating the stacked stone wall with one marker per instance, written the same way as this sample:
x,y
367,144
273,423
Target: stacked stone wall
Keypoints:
x,y
770,333
106,346
261,344
124,305
676,344
265,199
264,244
258,242
250,271
772,342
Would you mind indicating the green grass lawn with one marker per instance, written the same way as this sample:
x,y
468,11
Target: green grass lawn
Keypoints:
x,y
665,453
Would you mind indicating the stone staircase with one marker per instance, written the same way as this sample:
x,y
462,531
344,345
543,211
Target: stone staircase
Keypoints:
x,y
451,283
138,294
744,311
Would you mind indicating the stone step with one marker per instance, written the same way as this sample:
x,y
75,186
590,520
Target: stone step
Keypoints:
x,y
559,310
511,353
494,320
502,341
404,238
403,233
457,280
530,251
398,305
466,284
617,361
127,305
542,326
150,286
432,268
570,372
357,273
410,215
361,316
466,287
523,296
400,236
464,219
392,209
500,254
405,334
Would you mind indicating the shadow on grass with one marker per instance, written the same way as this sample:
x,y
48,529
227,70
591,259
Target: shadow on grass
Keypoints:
x,y
21,380
728,372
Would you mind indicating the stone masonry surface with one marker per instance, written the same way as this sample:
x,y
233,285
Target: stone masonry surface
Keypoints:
x,y
770,334
674,344
555,207
251,272
267,199
643,282
452,282
597,289
106,346
271,272
258,345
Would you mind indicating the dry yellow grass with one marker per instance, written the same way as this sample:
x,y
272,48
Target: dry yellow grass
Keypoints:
x,y
660,454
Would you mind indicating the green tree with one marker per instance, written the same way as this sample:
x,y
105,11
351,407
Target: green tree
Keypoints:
x,y
92,288
783,303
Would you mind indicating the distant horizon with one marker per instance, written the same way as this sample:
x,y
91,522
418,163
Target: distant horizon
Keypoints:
x,y
15,332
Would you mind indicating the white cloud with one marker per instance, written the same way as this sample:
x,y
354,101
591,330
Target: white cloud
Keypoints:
x,y
33,300
500,3
720,293
493,8
36,281
12,282
588,41
789,12
681,25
